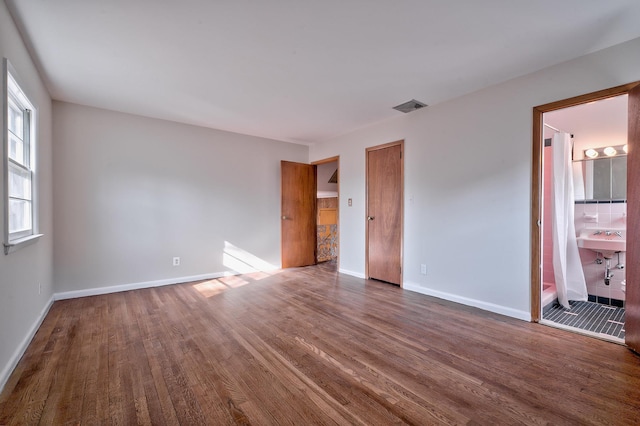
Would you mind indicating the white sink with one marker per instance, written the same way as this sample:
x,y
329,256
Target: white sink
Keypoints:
x,y
605,241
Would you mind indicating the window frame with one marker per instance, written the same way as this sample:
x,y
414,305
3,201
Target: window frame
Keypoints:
x,y
15,240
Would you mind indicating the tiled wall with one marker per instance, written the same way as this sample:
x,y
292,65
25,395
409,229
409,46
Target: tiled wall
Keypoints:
x,y
609,216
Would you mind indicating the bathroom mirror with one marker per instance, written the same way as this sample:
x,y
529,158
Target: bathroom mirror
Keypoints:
x,y
604,179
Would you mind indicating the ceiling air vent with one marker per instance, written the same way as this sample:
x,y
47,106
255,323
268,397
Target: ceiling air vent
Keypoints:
x,y
412,105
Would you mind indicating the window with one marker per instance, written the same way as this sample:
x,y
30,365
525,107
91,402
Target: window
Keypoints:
x,y
19,164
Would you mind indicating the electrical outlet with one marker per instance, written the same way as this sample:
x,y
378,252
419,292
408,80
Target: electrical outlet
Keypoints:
x,y
176,261
423,269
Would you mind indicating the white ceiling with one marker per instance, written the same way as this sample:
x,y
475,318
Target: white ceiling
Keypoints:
x,y
300,70
594,125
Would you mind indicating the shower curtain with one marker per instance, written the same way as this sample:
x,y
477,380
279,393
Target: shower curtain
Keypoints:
x,y
570,282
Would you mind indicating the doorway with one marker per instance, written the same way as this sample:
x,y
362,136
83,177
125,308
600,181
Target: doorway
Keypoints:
x,y
309,212
384,221
589,213
594,289
327,213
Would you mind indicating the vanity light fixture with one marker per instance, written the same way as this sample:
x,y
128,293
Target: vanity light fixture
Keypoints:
x,y
609,151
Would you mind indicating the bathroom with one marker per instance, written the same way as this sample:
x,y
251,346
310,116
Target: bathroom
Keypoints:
x,y
598,198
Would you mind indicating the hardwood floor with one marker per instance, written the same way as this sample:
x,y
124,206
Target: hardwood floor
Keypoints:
x,y
310,346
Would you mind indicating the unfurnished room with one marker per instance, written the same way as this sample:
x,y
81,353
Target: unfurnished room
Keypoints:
x,y
333,212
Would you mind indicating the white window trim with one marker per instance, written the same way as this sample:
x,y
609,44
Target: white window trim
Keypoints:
x,y
17,243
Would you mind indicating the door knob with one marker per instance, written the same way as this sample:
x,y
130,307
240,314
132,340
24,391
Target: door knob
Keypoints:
x,y
370,218
284,217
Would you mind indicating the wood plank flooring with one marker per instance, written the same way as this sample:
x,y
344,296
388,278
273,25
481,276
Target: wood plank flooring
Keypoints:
x,y
310,346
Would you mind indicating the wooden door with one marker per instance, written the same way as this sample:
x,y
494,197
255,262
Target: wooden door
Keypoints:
x,y
632,296
384,212
298,214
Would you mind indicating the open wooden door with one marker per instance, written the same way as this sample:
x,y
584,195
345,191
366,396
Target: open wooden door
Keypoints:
x,y
384,212
632,296
298,215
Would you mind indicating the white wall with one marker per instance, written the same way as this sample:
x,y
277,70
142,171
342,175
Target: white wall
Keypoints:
x,y
22,302
467,182
133,192
325,172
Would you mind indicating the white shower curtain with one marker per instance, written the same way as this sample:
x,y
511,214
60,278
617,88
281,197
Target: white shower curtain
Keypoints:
x,y
570,282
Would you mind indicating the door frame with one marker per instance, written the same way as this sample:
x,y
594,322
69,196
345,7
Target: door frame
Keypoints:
x,y
366,203
317,163
536,181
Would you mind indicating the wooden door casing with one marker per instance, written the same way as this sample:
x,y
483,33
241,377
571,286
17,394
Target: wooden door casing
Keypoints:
x,y
385,212
632,295
298,214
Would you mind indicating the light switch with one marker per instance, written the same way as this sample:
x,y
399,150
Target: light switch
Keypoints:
x,y
350,202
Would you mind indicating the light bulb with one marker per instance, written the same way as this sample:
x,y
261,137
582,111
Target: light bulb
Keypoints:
x,y
610,151
591,153
625,148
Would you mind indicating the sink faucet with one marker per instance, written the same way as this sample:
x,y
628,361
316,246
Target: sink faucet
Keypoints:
x,y
619,234
608,233
597,232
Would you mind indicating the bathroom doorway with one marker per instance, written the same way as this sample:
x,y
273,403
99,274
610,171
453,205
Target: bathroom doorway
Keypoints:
x,y
599,211
581,216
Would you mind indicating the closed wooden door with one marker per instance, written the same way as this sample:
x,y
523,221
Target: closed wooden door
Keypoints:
x,y
298,214
632,296
384,212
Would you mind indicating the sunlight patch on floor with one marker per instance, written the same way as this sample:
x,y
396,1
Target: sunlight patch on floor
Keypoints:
x,y
242,262
210,288
242,268
233,281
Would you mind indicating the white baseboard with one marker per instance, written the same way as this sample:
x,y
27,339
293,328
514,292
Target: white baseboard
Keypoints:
x,y
135,286
352,273
20,350
498,309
